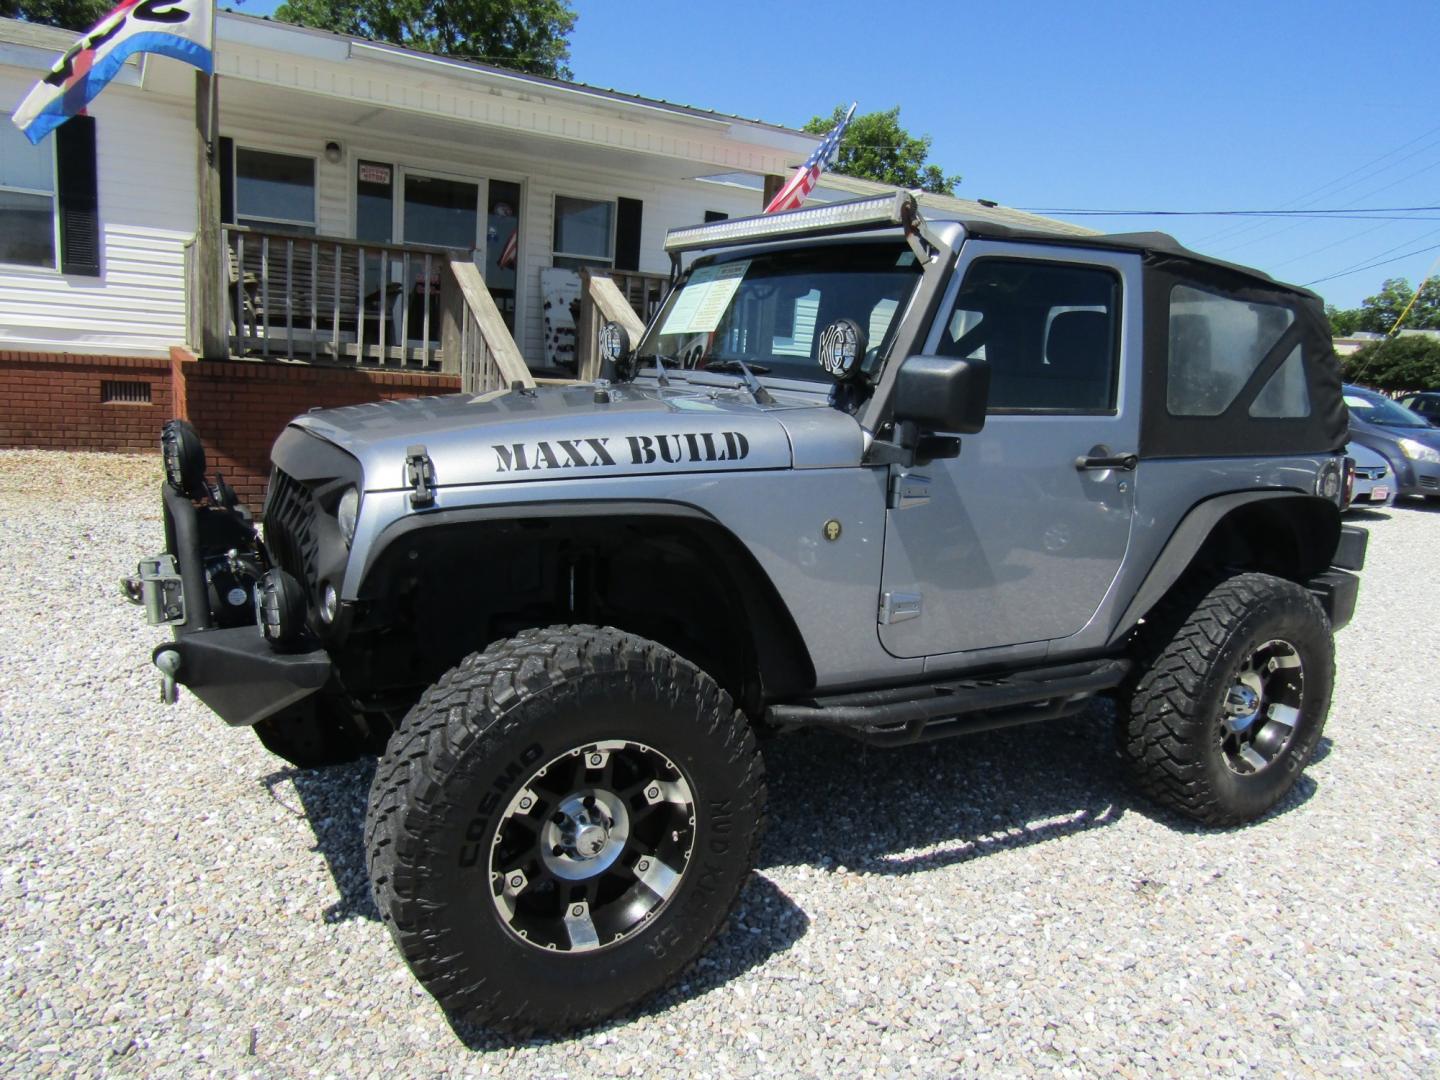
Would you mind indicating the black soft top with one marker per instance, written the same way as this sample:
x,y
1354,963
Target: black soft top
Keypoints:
x,y
1154,245
1167,263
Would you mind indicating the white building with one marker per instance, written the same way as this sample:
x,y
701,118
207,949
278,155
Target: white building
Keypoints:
x,y
351,174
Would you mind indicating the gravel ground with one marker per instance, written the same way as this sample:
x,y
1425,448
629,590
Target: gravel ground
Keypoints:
x,y
173,899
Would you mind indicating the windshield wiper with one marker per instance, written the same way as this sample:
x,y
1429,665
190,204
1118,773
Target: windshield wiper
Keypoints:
x,y
758,393
660,362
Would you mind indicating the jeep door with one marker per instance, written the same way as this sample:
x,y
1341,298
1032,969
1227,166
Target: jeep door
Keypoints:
x,y
1018,538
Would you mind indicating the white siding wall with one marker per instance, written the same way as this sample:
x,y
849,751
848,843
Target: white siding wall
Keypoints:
x,y
146,148
666,203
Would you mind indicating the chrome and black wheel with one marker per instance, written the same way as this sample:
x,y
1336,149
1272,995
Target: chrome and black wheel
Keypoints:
x,y
1232,698
560,825
592,846
1262,708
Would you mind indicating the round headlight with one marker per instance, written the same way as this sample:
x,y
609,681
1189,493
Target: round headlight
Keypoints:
x,y
842,347
347,513
280,608
614,341
184,455
329,603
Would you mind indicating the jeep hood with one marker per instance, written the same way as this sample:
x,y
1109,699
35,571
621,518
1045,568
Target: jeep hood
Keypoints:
x,y
558,433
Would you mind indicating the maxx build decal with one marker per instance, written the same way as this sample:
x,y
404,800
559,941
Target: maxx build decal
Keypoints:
x,y
629,450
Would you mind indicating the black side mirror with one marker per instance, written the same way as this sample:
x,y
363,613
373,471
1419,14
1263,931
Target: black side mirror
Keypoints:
x,y
942,393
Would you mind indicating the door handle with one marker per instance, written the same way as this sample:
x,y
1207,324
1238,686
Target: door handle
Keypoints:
x,y
1114,461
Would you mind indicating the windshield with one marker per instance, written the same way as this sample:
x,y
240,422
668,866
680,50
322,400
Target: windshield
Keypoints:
x,y
1383,411
769,310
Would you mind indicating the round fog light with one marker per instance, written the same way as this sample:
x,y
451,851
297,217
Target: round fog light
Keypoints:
x,y
329,603
184,456
280,607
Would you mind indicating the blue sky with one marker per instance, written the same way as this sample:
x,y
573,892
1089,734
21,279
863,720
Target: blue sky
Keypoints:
x,y
1253,105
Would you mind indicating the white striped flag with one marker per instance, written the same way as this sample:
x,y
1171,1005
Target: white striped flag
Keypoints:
x,y
807,176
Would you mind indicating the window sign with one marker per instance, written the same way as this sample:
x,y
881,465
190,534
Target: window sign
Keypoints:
x,y
27,198
706,296
370,173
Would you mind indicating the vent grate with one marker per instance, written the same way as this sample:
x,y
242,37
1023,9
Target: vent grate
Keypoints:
x,y
124,392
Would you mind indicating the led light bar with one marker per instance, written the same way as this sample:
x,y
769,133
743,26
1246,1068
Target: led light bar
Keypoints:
x,y
896,209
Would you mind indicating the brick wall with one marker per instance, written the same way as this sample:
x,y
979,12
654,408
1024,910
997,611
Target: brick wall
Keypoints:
x,y
240,407
57,401
54,402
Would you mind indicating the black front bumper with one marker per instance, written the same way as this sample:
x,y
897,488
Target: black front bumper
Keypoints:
x,y
234,670
238,675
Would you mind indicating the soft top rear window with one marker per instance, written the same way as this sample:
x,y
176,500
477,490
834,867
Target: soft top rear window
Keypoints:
x,y
1235,366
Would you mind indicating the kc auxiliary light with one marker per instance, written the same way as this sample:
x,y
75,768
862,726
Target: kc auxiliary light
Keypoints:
x,y
896,209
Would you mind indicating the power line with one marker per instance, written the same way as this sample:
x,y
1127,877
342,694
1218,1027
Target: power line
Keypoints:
x,y
1365,170
1272,267
1368,259
1365,214
1373,191
1373,265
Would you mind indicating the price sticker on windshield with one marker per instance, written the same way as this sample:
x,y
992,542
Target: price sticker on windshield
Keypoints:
x,y
706,296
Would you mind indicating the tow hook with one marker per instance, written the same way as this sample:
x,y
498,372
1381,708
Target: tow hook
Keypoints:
x,y
168,661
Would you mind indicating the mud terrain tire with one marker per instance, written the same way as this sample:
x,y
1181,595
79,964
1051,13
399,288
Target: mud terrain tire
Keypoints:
x,y
1222,670
517,726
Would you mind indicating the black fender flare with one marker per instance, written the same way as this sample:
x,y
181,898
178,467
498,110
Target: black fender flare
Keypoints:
x,y
1196,528
786,667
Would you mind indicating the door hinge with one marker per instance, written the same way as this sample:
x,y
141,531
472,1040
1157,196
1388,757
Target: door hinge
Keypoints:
x,y
419,476
899,607
907,490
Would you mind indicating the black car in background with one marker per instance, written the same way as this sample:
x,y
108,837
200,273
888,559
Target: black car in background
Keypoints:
x,y
1402,437
1427,404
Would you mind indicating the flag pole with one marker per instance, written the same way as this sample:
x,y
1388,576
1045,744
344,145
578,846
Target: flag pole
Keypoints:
x,y
208,271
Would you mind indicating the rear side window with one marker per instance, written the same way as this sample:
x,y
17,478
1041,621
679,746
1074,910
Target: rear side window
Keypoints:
x,y
1216,344
1049,331
1286,393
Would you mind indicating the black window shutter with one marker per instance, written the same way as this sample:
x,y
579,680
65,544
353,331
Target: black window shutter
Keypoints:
x,y
78,195
627,234
227,180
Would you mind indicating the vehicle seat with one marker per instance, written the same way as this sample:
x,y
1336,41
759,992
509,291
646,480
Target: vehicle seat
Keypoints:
x,y
1078,352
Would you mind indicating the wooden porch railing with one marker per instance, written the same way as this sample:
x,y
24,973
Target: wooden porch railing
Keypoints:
x,y
325,299
643,291
476,336
604,298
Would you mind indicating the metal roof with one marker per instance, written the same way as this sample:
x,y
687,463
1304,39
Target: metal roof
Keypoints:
x,y
479,67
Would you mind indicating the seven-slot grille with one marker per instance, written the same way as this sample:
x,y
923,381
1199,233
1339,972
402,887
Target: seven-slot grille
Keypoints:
x,y
290,511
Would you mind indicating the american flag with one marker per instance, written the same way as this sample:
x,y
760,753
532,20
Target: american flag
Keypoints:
x,y
807,176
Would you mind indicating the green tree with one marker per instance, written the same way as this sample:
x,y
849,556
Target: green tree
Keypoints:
x,y
876,147
1378,313
1396,364
524,35
1343,322
70,14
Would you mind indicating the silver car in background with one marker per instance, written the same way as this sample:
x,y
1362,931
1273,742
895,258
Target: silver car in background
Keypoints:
x,y
1373,483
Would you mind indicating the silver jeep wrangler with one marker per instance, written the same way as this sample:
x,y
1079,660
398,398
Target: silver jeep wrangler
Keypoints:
x,y
892,478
